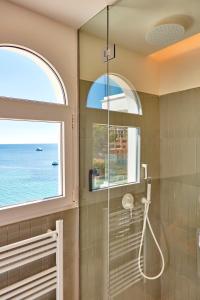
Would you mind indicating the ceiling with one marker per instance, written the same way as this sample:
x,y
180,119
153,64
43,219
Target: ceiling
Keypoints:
x,y
70,12
130,20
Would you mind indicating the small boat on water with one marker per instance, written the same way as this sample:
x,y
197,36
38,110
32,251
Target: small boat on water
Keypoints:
x,y
38,149
54,163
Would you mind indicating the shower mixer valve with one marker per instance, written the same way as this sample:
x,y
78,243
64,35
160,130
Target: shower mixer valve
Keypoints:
x,y
128,203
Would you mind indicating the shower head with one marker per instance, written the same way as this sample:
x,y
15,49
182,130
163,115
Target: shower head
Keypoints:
x,y
165,34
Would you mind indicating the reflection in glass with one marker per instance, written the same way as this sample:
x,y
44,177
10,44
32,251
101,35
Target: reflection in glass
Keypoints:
x,y
119,96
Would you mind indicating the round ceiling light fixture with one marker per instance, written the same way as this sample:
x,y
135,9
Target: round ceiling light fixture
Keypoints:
x,y
165,34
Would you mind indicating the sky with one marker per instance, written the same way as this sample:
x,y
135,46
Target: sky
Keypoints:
x,y
20,77
28,132
99,90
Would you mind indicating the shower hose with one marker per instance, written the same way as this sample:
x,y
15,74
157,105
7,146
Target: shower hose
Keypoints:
x,y
146,201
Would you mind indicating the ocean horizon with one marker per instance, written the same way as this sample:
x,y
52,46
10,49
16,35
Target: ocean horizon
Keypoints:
x,y
27,174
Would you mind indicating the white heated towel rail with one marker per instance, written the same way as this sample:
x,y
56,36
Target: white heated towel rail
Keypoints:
x,y
26,251
124,240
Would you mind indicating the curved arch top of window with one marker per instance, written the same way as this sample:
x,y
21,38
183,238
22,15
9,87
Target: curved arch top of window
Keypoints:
x,y
26,75
114,93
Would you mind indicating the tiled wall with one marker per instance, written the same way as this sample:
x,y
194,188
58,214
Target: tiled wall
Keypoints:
x,y
26,229
149,124
93,205
180,193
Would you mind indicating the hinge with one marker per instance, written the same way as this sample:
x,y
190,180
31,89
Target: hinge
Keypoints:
x,y
109,53
75,197
73,121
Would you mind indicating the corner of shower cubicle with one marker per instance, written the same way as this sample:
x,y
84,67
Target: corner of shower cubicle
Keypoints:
x,y
114,131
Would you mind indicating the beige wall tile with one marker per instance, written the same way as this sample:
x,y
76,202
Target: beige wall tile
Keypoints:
x,y
19,231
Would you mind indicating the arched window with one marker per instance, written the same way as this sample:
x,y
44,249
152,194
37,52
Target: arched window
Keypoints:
x,y
36,139
25,74
114,93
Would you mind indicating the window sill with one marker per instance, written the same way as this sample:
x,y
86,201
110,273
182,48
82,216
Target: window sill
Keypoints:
x,y
27,211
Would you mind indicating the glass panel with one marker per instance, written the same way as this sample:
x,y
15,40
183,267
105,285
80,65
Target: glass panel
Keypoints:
x,y
93,205
124,156
100,156
126,211
121,96
98,92
30,167
157,51
24,75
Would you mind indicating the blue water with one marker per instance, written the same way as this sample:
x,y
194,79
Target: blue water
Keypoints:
x,y
27,174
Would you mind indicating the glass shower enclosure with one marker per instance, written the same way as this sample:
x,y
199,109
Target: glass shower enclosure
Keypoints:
x,y
139,152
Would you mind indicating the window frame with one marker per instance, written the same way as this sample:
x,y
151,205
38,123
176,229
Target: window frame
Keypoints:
x,y
31,110
127,119
138,157
45,62
124,84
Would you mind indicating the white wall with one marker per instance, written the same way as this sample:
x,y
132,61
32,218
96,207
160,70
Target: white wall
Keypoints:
x,y
180,72
177,73
56,42
141,71
91,56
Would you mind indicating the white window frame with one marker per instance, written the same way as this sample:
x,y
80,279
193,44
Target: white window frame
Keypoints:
x,y
133,153
131,122
133,104
28,110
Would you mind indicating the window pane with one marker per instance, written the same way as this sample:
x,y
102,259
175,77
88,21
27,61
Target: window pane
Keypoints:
x,y
124,158
30,166
25,75
100,156
113,93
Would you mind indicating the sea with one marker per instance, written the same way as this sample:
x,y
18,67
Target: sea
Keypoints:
x,y
28,175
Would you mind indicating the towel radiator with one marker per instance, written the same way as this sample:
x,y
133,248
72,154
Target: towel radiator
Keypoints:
x,y
124,240
18,254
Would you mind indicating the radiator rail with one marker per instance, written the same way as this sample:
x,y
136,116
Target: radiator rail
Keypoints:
x,y
18,254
